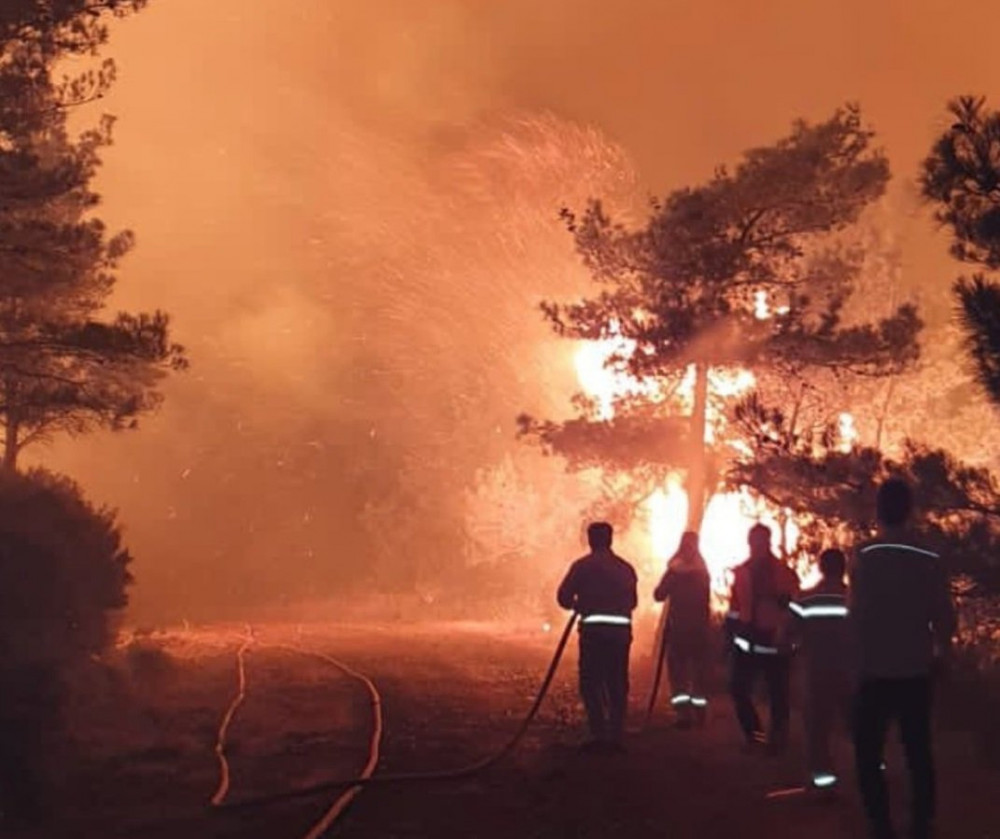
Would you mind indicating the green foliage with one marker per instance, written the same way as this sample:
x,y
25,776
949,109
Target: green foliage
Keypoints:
x,y
63,572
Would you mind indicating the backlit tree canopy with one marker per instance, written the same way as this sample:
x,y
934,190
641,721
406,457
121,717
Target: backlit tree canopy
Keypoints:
x,y
744,270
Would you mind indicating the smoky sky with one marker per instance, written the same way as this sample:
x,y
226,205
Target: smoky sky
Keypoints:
x,y
350,211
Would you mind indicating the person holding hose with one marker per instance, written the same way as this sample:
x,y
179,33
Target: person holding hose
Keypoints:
x,y
601,588
686,589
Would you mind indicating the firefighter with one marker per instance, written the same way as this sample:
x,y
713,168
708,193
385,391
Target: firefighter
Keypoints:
x,y
601,587
903,621
758,629
823,636
686,584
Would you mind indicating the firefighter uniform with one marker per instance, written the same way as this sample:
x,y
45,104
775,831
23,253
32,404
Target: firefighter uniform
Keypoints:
x,y
601,587
900,608
686,585
758,626
823,635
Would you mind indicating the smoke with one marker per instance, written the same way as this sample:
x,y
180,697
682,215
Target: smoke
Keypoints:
x,y
350,210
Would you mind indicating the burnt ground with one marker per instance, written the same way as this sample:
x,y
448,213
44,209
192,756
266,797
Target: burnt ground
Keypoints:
x,y
452,694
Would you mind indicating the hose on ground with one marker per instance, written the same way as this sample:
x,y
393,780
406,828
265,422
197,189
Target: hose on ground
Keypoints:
x,y
438,775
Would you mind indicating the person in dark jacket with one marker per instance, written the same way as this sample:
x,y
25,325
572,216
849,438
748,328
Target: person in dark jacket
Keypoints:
x,y
823,637
686,587
758,626
601,588
903,619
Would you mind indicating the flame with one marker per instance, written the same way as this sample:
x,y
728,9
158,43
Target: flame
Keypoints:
x,y
848,432
729,515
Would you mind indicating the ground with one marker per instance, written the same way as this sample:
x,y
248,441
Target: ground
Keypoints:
x,y
146,766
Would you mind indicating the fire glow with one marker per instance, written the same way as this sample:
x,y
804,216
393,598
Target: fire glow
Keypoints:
x,y
600,368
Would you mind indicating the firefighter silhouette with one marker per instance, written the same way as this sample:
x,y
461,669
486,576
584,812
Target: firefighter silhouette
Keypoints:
x,y
686,588
758,632
601,588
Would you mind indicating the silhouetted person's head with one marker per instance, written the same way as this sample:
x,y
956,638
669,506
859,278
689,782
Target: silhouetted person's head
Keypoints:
x,y
759,540
689,544
832,564
894,502
599,536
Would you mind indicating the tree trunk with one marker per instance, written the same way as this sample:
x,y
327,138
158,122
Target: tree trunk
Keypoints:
x,y
698,470
11,430
884,413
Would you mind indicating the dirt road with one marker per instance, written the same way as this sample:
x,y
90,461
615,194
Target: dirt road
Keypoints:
x,y
453,694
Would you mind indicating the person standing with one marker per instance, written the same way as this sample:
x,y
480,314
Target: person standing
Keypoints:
x,y
903,618
758,626
686,588
824,639
601,588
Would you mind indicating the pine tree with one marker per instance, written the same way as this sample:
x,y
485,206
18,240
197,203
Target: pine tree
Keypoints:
x,y
962,177
63,368
742,271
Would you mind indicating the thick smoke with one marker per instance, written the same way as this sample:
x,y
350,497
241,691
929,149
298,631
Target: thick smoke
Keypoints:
x,y
350,209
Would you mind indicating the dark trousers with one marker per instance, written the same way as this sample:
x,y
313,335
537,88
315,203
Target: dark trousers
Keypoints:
x,y
776,671
604,652
879,703
827,708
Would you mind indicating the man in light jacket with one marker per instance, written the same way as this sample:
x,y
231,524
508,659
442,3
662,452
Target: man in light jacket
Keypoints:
x,y
903,618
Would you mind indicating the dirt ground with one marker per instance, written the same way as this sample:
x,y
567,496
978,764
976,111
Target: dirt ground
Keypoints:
x,y
452,694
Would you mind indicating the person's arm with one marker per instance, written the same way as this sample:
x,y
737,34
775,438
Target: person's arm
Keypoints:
x,y
943,618
566,595
634,600
662,591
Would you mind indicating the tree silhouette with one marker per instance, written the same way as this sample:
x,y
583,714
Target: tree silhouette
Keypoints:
x,y
63,368
962,177
687,290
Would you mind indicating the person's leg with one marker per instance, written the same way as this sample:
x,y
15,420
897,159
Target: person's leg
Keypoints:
x,y
678,669
741,689
820,710
591,684
699,681
915,730
618,686
872,713
777,671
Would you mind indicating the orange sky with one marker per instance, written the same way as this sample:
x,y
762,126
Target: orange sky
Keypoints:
x,y
302,178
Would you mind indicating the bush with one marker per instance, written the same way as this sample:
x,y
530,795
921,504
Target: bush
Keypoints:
x,y
63,573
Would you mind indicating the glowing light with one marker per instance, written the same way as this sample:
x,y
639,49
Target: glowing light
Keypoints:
x,y
546,627
848,432
600,371
761,309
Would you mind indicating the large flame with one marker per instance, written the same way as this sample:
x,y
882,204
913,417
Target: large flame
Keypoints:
x,y
728,515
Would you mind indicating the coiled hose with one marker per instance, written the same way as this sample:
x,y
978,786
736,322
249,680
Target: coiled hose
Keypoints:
x,y
438,775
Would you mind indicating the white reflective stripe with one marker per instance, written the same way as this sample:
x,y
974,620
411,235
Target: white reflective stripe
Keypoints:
x,y
680,699
757,648
733,616
699,701
829,610
824,779
900,547
742,643
617,620
747,647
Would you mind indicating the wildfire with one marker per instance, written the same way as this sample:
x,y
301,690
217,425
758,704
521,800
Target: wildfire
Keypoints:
x,y
728,516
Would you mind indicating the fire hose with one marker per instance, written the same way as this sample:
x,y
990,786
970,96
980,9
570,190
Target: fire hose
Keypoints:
x,y
660,646
437,775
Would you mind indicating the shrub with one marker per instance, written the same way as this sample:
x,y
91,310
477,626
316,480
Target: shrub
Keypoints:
x,y
63,574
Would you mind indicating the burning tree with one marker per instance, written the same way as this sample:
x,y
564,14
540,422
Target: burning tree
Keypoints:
x,y
62,369
747,272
